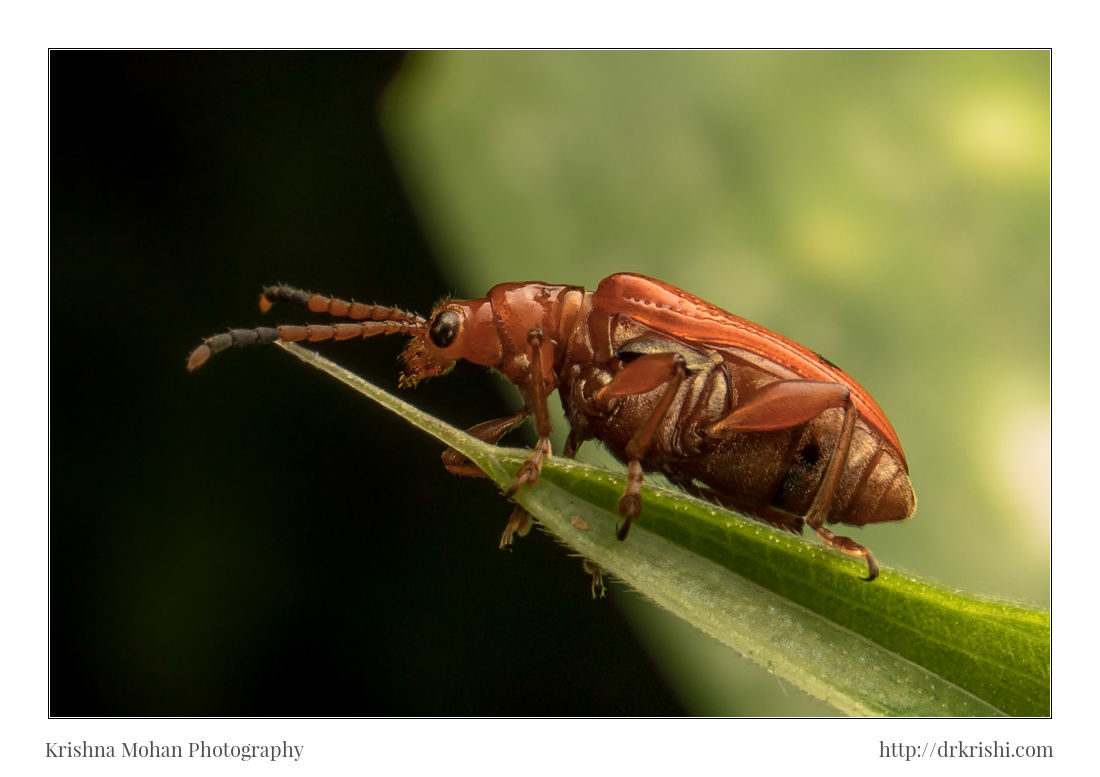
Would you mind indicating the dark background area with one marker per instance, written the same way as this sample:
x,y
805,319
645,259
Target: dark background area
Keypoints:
x,y
254,539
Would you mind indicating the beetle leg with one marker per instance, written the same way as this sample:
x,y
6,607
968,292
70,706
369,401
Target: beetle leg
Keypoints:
x,y
529,471
643,374
823,500
778,518
649,366
781,405
851,547
787,403
599,591
630,503
519,523
572,443
531,468
488,431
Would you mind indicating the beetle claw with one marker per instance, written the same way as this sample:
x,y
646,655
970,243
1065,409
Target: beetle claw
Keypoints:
x,y
872,567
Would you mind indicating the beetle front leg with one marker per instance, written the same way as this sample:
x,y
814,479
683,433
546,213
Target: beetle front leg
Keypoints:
x,y
487,431
519,522
532,467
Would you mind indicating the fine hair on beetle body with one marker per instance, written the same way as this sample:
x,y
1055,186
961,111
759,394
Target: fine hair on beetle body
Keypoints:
x,y
726,409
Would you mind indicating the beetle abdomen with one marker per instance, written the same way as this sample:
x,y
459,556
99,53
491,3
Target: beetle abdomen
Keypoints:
x,y
764,472
874,485
774,475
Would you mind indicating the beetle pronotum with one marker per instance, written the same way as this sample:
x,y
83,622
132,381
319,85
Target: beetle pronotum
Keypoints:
x,y
725,408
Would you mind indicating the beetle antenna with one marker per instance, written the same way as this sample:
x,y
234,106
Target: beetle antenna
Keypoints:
x,y
314,333
372,320
337,308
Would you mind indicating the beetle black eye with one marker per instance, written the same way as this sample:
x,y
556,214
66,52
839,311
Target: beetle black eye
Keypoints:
x,y
444,328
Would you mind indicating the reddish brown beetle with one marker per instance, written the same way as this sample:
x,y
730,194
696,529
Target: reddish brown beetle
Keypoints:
x,y
725,408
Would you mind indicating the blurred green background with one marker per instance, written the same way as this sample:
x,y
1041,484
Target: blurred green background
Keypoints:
x,y
253,540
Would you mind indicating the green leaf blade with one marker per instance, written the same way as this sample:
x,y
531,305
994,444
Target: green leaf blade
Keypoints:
x,y
897,646
998,649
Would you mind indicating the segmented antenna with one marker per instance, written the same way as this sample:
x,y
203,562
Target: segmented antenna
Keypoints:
x,y
337,308
371,320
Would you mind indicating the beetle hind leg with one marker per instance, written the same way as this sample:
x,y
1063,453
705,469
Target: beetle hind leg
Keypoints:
x,y
851,547
822,503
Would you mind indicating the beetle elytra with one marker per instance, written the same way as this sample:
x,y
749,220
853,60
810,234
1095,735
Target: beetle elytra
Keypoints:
x,y
725,408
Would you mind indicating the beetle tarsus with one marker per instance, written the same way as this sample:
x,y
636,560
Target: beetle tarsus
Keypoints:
x,y
519,523
872,568
531,468
851,547
599,590
630,504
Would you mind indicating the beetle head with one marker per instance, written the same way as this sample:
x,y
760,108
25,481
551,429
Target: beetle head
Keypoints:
x,y
456,329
